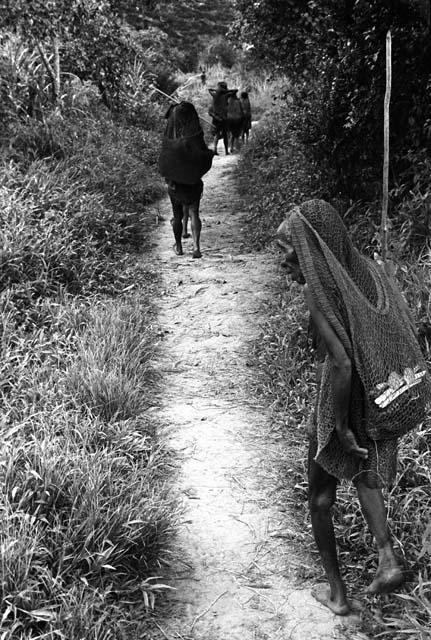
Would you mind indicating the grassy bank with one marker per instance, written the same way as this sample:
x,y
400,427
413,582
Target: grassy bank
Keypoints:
x,y
87,509
276,169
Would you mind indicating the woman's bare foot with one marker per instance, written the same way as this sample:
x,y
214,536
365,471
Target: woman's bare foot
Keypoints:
x,y
338,605
386,580
197,254
178,249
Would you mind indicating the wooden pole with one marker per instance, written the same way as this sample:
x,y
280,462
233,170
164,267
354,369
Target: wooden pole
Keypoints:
x,y
384,222
166,95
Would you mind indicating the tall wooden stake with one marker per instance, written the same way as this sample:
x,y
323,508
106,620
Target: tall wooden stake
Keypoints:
x,y
384,223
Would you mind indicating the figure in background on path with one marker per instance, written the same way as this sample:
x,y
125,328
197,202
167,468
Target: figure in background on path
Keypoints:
x,y
203,76
246,109
218,113
373,384
235,119
184,159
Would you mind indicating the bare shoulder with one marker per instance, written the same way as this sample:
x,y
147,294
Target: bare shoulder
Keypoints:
x,y
332,342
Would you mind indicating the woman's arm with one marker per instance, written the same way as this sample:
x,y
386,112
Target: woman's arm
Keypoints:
x,y
341,371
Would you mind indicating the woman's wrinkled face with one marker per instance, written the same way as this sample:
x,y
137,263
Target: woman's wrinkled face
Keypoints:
x,y
290,259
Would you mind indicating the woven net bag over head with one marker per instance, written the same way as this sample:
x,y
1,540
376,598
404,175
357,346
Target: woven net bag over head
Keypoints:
x,y
367,312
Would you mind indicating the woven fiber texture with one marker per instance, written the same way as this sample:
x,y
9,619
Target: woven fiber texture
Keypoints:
x,y
185,160
184,157
390,384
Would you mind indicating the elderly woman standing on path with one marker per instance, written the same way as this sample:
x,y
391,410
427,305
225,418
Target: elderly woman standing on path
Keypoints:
x,y
374,386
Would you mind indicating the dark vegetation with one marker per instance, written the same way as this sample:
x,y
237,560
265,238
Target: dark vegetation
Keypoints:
x,y
324,138
335,54
87,511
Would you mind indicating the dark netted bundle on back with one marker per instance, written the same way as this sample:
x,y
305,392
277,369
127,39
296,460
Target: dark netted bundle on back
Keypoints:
x,y
184,156
367,312
219,103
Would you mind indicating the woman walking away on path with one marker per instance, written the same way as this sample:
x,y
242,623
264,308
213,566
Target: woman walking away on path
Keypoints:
x,y
235,119
373,388
218,113
184,159
246,109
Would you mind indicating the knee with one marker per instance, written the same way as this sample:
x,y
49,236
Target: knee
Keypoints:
x,y
321,500
194,211
368,480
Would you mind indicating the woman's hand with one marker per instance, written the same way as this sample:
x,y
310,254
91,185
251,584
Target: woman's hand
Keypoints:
x,y
348,442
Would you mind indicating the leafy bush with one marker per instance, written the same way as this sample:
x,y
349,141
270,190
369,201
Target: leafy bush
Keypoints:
x,y
335,52
283,174
219,51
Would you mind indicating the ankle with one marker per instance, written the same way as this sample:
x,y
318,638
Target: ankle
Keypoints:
x,y
337,587
387,556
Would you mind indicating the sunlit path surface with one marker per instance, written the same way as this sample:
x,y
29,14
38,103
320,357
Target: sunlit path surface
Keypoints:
x,y
235,576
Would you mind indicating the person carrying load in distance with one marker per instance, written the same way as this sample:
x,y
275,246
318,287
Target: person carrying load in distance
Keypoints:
x,y
218,110
184,158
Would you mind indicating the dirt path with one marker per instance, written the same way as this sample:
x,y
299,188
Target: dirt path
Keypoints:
x,y
236,575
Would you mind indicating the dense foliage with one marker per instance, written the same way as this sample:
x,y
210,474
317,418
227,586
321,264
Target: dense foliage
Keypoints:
x,y
101,41
335,51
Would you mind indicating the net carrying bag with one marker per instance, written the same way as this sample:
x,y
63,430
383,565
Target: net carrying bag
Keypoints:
x,y
234,110
390,364
366,310
185,160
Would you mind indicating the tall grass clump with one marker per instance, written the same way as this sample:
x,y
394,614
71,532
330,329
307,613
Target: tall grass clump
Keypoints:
x,y
112,372
277,169
86,500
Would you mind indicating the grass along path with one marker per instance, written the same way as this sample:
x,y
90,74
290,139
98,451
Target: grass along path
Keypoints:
x,y
236,557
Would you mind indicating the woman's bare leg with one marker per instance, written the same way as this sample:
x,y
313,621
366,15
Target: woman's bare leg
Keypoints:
x,y
196,229
177,226
322,492
226,143
186,234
